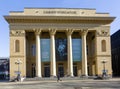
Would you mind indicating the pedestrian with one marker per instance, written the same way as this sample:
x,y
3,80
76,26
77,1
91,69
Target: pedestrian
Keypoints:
x,y
58,77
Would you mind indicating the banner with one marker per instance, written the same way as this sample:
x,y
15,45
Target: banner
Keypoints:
x,y
77,49
45,50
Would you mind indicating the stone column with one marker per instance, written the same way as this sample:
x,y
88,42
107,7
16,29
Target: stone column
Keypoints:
x,y
53,57
84,53
69,51
38,53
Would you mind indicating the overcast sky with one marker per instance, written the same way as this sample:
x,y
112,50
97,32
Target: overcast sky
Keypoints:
x,y
110,6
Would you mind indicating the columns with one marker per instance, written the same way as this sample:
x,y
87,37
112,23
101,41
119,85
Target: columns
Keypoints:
x,y
38,53
69,50
84,53
53,57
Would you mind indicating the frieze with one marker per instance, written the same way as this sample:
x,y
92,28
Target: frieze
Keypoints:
x,y
17,33
53,25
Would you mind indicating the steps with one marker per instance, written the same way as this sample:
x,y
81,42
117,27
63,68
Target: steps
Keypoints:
x,y
55,78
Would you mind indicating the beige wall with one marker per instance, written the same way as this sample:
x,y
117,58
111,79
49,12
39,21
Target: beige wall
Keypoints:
x,y
14,56
103,56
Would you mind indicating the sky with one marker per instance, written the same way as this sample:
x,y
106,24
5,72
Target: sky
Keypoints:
x,y
109,6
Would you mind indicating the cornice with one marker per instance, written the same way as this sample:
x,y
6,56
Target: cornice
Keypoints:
x,y
58,19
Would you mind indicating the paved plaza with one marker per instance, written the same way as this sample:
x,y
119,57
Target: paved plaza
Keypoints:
x,y
67,84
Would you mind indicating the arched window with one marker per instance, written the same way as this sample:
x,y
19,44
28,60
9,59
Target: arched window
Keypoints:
x,y
17,46
103,45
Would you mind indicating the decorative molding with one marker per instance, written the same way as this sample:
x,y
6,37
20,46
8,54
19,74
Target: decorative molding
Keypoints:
x,y
102,55
17,32
15,56
103,31
62,26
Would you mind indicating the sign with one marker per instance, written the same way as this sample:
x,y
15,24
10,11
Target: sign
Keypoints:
x,y
59,12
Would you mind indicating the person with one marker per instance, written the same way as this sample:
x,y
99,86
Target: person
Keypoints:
x,y
58,77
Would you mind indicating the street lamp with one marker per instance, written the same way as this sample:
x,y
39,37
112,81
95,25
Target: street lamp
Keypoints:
x,y
18,62
104,70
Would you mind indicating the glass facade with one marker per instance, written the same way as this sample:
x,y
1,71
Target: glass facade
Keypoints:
x,y
61,50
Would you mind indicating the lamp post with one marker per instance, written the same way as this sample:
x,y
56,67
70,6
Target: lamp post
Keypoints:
x,y
18,62
104,69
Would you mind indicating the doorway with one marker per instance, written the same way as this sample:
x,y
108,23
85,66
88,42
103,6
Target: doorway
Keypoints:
x,y
61,70
46,70
75,70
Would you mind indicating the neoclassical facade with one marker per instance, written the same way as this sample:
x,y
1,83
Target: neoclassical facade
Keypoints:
x,y
73,42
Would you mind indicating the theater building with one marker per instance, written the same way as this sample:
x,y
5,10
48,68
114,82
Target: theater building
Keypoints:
x,y
45,41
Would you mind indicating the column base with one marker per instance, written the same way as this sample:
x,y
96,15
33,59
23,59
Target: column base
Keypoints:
x,y
69,76
85,76
52,76
38,77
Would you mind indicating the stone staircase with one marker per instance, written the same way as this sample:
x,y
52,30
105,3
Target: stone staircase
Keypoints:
x,y
55,78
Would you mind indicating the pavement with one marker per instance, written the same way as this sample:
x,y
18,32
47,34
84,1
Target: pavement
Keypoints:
x,y
113,83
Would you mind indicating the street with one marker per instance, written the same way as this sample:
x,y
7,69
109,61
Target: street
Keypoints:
x,y
67,84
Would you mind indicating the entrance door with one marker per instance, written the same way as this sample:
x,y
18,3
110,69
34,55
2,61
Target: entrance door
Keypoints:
x,y
47,71
61,70
75,70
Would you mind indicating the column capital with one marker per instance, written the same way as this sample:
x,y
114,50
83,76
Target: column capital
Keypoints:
x,y
52,31
69,31
37,31
84,32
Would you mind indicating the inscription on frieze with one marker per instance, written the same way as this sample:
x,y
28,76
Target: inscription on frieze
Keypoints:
x,y
59,12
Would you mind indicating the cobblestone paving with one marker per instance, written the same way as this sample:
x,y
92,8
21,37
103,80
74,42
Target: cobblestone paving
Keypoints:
x,y
76,84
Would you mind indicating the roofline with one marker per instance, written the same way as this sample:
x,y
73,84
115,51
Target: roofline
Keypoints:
x,y
57,8
115,32
4,58
52,8
16,11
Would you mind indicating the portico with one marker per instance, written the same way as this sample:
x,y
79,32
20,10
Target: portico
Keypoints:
x,y
68,33
69,41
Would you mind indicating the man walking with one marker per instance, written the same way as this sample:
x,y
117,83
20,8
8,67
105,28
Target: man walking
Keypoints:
x,y
58,77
